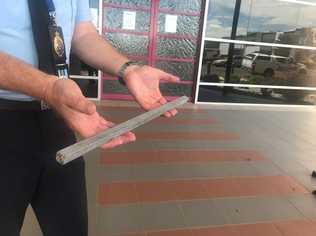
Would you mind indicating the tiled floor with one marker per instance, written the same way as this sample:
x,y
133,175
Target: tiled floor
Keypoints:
x,y
211,171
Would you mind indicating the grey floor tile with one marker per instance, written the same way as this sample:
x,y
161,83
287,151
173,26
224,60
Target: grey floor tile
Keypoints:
x,y
288,164
305,179
201,214
260,209
182,128
267,168
159,172
162,216
306,204
120,219
146,145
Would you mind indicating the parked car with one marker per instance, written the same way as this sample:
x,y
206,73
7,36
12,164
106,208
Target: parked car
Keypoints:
x,y
223,62
271,65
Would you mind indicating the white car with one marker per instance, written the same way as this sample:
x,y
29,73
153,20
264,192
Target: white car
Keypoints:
x,y
270,65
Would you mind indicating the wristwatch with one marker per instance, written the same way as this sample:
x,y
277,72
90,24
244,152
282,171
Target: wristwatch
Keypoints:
x,y
123,69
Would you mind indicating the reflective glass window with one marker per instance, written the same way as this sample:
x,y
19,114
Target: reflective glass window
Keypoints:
x,y
259,65
271,21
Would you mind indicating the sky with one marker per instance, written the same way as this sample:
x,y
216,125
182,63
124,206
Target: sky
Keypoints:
x,y
260,16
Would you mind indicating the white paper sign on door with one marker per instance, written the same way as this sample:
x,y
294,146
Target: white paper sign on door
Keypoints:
x,y
171,24
129,20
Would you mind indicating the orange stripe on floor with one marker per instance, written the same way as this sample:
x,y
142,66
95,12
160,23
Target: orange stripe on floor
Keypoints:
x,y
151,157
297,228
160,191
186,136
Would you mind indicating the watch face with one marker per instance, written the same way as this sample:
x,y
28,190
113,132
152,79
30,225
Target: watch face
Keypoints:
x,y
59,45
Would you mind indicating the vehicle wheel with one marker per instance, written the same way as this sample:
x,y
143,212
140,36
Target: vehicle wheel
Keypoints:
x,y
268,73
267,92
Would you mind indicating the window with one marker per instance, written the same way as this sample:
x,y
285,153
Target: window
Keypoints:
x,y
263,58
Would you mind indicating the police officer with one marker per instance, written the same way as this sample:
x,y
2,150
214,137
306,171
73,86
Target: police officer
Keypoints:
x,y
39,111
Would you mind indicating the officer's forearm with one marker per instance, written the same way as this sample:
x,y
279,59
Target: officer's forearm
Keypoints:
x,y
16,75
89,46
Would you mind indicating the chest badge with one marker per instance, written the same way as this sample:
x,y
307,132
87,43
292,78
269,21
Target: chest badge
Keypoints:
x,y
59,45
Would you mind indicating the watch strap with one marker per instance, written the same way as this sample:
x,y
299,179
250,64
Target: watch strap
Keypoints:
x,y
123,68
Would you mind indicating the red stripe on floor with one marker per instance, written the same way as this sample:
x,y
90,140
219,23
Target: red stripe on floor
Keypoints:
x,y
160,157
136,192
118,193
186,136
297,228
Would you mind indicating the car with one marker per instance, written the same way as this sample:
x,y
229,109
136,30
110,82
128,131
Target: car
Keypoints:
x,y
271,65
282,70
223,62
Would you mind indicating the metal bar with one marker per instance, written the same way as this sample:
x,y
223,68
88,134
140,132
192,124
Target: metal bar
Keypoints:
x,y
76,150
205,6
231,50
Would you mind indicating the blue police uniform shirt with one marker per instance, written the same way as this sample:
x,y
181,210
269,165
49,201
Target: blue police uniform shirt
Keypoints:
x,y
16,35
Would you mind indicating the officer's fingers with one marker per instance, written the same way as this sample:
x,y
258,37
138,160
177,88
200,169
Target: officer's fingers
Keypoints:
x,y
173,112
169,77
170,113
123,139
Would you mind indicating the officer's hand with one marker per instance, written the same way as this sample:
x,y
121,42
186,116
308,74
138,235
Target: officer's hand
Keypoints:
x,y
143,84
81,115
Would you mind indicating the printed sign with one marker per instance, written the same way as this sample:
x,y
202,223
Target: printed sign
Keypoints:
x,y
171,24
129,20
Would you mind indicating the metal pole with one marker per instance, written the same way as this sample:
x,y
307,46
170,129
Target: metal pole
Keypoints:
x,y
232,45
76,150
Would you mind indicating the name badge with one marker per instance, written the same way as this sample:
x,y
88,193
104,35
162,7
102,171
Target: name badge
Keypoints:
x,y
58,44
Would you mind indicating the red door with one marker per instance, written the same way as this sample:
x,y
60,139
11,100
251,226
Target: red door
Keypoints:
x,y
161,33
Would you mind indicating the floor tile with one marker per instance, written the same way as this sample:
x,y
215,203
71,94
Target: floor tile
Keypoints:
x,y
297,228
